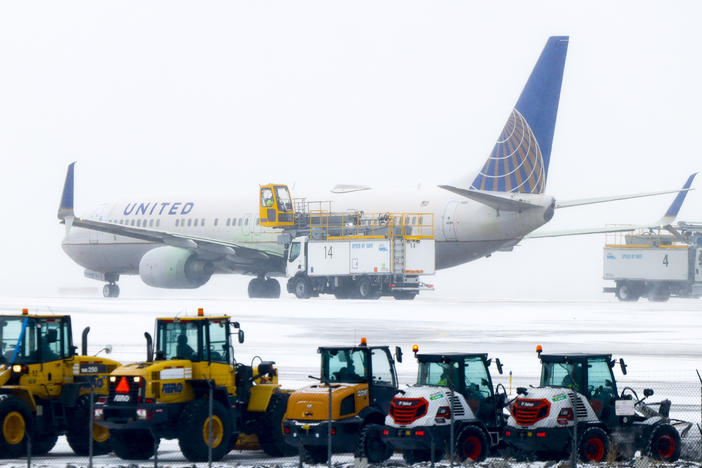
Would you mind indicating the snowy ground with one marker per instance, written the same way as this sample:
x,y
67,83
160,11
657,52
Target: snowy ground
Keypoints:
x,y
660,342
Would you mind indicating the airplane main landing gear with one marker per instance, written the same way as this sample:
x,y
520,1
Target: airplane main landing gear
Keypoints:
x,y
262,287
110,290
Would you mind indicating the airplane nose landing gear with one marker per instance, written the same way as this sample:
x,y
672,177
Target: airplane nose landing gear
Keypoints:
x,y
262,287
110,290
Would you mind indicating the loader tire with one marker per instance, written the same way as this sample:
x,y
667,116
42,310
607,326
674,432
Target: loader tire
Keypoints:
x,y
42,444
15,421
313,454
472,445
133,444
77,435
270,430
593,445
193,437
371,445
664,443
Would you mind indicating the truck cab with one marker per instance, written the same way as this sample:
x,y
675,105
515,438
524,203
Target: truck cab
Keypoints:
x,y
297,257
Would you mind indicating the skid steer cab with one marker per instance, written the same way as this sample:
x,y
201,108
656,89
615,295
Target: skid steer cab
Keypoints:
x,y
361,381
45,386
168,395
451,388
276,206
580,390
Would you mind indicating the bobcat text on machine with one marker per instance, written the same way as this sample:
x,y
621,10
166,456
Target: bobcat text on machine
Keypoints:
x,y
168,395
45,387
180,243
580,390
357,384
453,393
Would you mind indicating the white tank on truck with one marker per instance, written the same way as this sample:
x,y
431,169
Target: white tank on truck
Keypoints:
x,y
363,256
655,263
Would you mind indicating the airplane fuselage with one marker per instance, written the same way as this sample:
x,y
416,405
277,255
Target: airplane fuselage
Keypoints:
x,y
464,229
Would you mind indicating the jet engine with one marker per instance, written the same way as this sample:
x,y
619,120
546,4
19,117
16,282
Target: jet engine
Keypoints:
x,y
174,268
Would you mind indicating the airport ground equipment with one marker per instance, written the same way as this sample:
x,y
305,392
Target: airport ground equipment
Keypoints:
x,y
580,390
168,396
357,384
656,264
45,387
452,389
373,256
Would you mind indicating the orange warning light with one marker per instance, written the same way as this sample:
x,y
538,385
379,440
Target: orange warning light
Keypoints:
x,y
200,312
25,311
539,349
364,341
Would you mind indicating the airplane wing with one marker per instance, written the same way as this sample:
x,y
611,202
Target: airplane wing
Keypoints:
x,y
664,223
592,201
202,244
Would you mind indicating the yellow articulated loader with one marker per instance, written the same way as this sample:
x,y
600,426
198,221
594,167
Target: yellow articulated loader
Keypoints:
x,y
168,396
361,381
45,386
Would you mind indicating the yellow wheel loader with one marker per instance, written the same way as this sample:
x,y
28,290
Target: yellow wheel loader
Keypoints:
x,y
168,396
45,386
361,381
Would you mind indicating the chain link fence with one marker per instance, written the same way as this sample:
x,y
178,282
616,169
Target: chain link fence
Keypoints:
x,y
685,411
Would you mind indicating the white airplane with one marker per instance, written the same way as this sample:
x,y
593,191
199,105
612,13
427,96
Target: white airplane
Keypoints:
x,y
181,243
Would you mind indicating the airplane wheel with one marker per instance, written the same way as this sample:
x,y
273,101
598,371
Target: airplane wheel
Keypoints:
x,y
110,290
272,288
257,288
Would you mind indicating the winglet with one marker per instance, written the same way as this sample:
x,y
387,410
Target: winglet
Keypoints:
x,y
66,207
672,213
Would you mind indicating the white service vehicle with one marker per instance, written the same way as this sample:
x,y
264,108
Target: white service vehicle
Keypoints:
x,y
656,264
580,390
452,390
363,256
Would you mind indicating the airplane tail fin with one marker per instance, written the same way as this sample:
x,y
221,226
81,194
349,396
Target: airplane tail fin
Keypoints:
x,y
519,161
66,206
674,208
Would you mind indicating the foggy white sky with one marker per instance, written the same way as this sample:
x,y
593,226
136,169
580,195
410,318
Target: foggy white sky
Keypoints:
x,y
211,99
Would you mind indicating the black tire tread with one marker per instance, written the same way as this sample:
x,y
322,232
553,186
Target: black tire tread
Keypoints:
x,y
362,450
270,434
589,433
472,431
8,404
133,444
190,424
77,434
657,432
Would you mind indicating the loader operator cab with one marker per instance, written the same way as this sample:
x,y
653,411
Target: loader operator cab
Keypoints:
x,y
275,206
26,339
588,374
466,374
373,365
195,339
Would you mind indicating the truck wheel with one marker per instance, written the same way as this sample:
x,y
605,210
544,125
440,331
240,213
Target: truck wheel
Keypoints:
x,y
659,294
313,454
133,444
404,295
15,419
594,445
472,445
77,435
364,289
194,427
626,293
270,429
371,445
303,288
664,443
43,443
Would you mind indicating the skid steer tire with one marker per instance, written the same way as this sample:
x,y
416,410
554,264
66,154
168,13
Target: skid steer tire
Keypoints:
x,y
77,435
594,445
371,446
194,431
133,444
664,443
270,430
471,445
15,421
42,444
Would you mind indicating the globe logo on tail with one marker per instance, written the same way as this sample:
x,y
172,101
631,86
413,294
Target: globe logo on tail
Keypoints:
x,y
516,163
